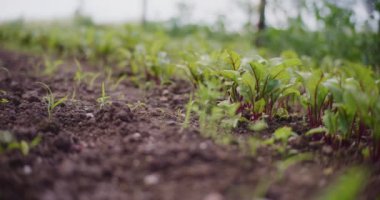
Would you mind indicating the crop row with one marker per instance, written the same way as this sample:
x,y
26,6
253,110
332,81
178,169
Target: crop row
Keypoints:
x,y
338,99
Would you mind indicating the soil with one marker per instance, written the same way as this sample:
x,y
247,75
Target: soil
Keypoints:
x,y
135,148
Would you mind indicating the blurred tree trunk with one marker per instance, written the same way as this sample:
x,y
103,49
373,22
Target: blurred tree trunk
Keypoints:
x,y
259,41
261,25
144,12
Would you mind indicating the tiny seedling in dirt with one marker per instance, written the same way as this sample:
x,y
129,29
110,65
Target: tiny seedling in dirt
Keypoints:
x,y
137,105
52,103
8,143
51,66
94,76
79,74
118,81
3,100
103,99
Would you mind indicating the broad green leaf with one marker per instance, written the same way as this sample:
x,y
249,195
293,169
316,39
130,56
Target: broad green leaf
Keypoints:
x,y
230,74
316,131
234,59
283,133
330,121
247,87
258,126
259,106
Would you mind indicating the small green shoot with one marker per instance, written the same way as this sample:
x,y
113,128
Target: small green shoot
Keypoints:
x,y
103,99
281,135
51,67
118,81
188,113
79,74
258,126
52,103
8,143
137,105
3,100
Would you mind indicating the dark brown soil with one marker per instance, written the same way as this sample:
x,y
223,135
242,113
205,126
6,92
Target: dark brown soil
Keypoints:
x,y
121,153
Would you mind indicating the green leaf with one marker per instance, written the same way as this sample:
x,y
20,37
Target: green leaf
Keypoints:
x,y
60,101
330,121
247,87
348,186
283,133
230,74
316,131
24,147
259,106
258,126
234,59
35,141
4,100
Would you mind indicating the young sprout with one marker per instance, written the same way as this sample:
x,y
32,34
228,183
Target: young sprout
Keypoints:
x,y
79,74
137,105
3,100
93,79
51,66
52,103
104,99
117,83
8,143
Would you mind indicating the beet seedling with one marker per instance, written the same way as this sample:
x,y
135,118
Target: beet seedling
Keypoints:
x,y
316,97
50,98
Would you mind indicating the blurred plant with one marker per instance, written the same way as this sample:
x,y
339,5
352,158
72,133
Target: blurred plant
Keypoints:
x,y
79,74
8,143
348,186
215,115
51,66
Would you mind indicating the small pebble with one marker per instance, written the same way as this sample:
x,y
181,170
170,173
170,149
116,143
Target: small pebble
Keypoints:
x,y
136,135
214,196
171,123
295,141
164,99
90,115
27,170
165,92
203,145
327,149
151,179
